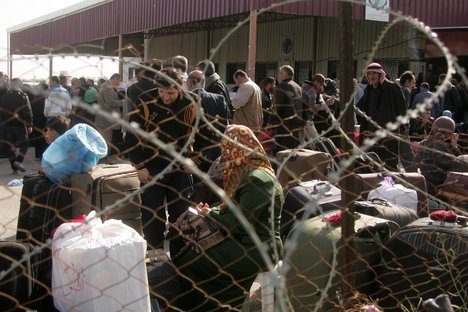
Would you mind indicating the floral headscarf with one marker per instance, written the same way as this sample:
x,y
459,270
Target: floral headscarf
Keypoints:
x,y
238,159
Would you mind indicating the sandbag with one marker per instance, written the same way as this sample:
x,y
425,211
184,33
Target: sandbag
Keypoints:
x,y
75,151
99,267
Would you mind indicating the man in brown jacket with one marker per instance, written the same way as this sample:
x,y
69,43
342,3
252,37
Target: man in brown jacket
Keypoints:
x,y
247,103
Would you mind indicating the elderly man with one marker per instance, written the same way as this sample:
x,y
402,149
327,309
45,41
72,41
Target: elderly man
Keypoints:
x,y
289,109
383,102
109,101
248,102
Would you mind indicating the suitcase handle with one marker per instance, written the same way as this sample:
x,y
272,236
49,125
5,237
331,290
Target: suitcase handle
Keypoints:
x,y
380,201
381,230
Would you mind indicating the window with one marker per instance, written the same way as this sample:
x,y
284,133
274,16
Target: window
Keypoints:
x,y
263,70
302,71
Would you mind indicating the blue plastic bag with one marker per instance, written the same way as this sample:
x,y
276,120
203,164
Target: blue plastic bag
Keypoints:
x,y
75,151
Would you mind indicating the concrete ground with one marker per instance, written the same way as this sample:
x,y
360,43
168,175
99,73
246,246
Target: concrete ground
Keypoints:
x,y
10,196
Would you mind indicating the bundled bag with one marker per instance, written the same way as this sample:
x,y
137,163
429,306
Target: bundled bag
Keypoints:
x,y
76,151
396,194
99,267
200,232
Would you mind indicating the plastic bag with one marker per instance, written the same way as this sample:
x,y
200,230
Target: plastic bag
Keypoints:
x,y
99,267
75,151
396,194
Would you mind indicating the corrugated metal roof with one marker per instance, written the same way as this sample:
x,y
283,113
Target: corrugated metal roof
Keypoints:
x,y
129,16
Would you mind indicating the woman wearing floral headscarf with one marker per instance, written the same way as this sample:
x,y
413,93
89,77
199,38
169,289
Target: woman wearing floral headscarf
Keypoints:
x,y
224,273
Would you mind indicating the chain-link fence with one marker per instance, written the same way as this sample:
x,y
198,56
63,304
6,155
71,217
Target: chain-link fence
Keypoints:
x,y
238,192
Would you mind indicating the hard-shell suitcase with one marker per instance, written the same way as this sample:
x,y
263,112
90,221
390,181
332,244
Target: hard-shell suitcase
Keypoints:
x,y
383,209
104,186
366,182
424,259
301,165
19,283
312,251
314,196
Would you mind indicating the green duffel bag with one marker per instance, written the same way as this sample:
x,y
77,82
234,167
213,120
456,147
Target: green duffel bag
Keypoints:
x,y
312,255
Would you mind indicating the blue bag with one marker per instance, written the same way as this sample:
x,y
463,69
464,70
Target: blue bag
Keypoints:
x,y
76,151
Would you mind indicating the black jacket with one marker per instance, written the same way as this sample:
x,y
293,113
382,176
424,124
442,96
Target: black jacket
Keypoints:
x,y
289,107
171,123
15,109
216,111
383,104
215,85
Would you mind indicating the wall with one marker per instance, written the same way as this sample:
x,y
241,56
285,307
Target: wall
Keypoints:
x,y
400,44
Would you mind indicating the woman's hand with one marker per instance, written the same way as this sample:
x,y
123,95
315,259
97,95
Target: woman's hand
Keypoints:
x,y
144,175
454,140
203,209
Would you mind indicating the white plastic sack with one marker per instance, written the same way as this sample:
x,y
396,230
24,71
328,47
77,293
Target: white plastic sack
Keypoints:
x,y
396,194
99,267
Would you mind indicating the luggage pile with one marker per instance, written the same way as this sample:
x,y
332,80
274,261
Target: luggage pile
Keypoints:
x,y
399,267
403,256
44,206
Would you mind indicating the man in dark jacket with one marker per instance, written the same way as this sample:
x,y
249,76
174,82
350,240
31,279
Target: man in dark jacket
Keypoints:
x,y
206,143
169,113
16,116
214,84
383,102
288,118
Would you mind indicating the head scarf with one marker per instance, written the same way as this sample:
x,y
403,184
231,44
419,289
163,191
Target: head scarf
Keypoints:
x,y
376,68
240,160
442,128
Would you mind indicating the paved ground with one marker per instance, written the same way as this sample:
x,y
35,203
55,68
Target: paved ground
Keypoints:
x,y
10,196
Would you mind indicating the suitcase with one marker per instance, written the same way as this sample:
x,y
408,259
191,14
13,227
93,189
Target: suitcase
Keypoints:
x,y
326,145
368,163
455,187
382,209
162,279
316,196
102,187
19,284
43,207
423,260
23,229
301,165
365,182
310,255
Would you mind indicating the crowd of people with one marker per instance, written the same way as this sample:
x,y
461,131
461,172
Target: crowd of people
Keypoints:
x,y
166,100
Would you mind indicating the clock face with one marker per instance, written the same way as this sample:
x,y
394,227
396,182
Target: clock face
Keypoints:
x,y
378,4
287,45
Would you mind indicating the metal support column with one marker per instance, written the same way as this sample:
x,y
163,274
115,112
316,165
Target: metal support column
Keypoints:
x,y
252,44
120,55
347,256
51,64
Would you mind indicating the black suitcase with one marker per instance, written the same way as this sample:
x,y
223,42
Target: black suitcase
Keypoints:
x,y
43,207
316,196
51,206
23,229
18,285
326,145
381,208
163,280
423,260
